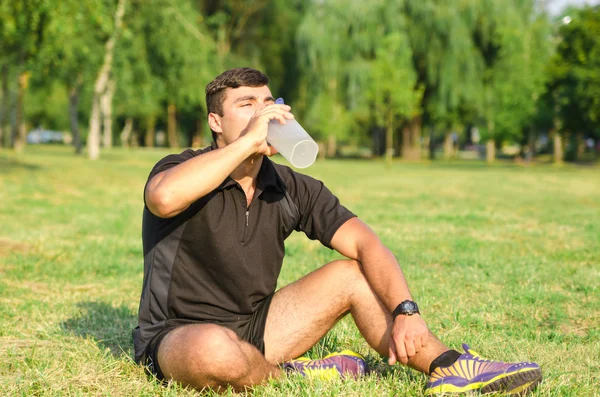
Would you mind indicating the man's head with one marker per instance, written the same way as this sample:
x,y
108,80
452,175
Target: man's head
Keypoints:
x,y
216,90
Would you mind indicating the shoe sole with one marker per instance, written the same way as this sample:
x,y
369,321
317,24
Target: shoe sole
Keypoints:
x,y
519,383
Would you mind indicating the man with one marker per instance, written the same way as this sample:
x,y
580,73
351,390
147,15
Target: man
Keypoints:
x,y
214,227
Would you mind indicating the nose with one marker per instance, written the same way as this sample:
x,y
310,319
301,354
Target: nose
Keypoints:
x,y
261,105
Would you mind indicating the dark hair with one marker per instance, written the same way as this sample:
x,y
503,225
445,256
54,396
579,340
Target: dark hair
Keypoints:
x,y
233,78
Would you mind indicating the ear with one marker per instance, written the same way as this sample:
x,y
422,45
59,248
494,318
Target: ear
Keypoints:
x,y
214,121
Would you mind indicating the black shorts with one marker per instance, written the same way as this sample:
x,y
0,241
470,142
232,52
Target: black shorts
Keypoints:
x,y
251,330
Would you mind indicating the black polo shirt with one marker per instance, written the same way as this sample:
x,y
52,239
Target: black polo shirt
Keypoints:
x,y
219,259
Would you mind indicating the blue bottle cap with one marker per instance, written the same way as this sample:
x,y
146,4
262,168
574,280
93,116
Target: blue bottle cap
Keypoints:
x,y
279,101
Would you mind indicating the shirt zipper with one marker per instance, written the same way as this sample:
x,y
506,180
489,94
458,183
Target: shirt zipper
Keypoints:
x,y
247,215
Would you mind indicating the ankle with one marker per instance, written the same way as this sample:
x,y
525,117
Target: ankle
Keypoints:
x,y
445,359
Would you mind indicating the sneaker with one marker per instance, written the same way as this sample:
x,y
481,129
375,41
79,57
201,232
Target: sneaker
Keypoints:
x,y
471,372
335,365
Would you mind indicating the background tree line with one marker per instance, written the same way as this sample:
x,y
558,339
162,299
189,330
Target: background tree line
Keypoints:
x,y
399,77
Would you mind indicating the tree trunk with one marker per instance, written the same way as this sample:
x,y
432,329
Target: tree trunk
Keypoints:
x,y
172,137
93,140
322,150
530,155
406,146
93,143
448,145
3,104
74,117
126,133
558,149
415,137
580,148
490,146
432,143
331,146
490,151
389,137
150,131
106,108
411,140
198,137
19,132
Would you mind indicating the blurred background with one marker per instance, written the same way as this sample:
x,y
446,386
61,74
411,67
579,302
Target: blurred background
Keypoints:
x,y
482,80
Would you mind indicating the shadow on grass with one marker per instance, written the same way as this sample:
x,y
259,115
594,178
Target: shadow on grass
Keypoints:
x,y
110,327
10,165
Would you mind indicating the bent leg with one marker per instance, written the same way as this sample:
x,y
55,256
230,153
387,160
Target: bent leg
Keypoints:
x,y
302,312
210,356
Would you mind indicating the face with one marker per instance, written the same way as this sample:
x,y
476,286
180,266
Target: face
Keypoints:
x,y
239,106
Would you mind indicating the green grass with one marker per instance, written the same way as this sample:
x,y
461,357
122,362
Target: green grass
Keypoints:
x,y
505,258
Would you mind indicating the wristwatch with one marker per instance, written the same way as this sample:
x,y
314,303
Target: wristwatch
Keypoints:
x,y
407,308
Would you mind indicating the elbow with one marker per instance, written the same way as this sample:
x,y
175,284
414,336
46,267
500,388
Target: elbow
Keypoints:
x,y
160,202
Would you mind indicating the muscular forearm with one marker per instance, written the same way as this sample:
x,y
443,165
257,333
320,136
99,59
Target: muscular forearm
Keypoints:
x,y
383,273
172,191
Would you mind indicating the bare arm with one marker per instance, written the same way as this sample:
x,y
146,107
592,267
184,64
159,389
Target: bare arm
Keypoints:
x,y
173,191
355,240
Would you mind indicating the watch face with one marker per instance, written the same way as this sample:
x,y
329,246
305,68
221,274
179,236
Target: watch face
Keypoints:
x,y
409,307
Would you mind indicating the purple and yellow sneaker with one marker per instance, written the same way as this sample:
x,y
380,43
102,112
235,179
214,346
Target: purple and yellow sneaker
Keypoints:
x,y
335,365
473,373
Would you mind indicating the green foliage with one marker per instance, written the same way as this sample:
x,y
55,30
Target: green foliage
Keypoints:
x,y
515,50
356,64
47,106
23,29
78,30
445,57
575,72
345,66
392,86
179,51
139,92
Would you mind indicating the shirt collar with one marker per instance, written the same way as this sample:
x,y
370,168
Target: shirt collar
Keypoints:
x,y
267,176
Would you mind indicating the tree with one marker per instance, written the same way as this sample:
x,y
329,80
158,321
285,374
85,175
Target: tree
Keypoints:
x,y
512,39
446,61
352,53
22,33
574,73
79,30
182,55
102,81
140,93
392,90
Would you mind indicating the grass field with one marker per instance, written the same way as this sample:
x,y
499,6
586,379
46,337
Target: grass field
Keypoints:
x,y
504,258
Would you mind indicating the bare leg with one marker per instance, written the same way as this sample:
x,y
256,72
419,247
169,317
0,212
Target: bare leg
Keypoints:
x,y
210,356
302,312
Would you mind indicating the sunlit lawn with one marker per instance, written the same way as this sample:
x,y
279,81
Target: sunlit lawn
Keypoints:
x,y
504,258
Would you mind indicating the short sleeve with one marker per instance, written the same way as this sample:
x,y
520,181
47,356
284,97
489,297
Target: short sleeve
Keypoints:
x,y
168,162
321,213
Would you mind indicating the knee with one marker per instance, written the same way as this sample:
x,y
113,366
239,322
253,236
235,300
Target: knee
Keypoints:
x,y
214,353
350,271
352,276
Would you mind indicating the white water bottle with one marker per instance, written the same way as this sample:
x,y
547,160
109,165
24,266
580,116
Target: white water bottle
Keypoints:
x,y
292,141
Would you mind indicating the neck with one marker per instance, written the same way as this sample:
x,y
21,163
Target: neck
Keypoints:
x,y
245,174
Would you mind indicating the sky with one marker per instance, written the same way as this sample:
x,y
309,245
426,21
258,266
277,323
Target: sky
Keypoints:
x,y
557,6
